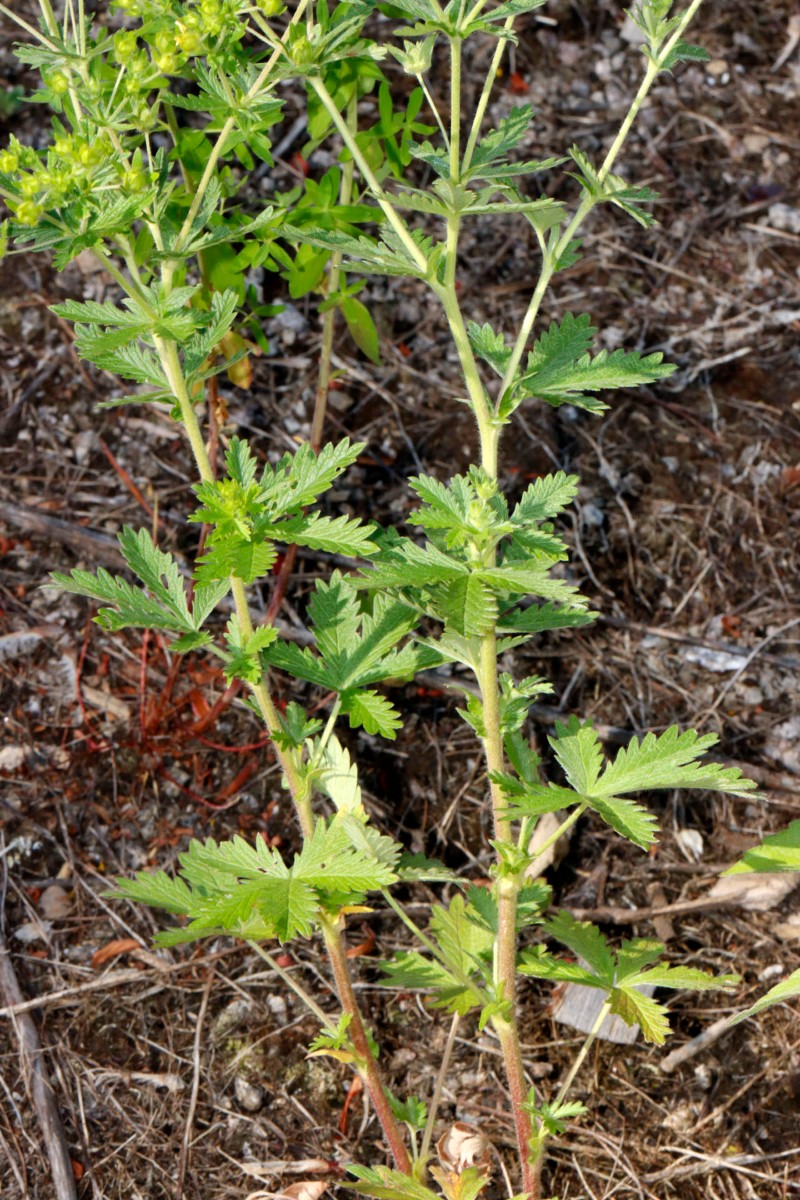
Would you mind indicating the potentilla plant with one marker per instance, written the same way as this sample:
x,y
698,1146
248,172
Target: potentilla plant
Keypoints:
x,y
157,127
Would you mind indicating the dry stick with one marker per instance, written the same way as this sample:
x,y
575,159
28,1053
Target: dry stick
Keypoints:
x,y
632,916
187,1132
36,1080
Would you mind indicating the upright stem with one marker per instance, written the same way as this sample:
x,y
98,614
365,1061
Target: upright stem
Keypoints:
x,y
357,1033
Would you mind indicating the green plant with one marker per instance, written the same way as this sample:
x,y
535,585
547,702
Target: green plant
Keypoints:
x,y
175,232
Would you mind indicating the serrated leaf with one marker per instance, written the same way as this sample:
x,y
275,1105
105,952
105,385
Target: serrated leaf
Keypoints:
x,y
338,778
132,608
585,941
336,535
157,890
561,371
489,346
667,976
670,761
787,989
546,498
410,565
384,1183
636,1009
778,852
577,749
373,711
417,868
537,963
628,818
468,606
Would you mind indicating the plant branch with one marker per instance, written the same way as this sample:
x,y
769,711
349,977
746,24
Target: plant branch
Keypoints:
x,y
389,211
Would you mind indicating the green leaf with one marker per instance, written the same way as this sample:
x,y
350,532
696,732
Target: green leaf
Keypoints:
x,y
490,346
684,52
628,818
336,535
577,749
545,498
158,571
131,607
538,963
787,989
778,852
667,976
637,1009
585,941
468,606
561,371
362,327
157,890
384,1183
410,565
373,711
670,761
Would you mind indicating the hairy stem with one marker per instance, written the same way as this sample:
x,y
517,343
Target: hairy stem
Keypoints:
x,y
357,1033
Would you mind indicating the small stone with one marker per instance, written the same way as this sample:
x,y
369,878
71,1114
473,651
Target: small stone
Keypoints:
x,y
249,1096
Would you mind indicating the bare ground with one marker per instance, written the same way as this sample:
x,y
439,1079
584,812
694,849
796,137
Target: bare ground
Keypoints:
x,y
188,1069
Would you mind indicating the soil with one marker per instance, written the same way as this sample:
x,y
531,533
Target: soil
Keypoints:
x,y
188,1069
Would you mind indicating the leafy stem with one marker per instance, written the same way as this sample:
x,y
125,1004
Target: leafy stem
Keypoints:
x,y
389,211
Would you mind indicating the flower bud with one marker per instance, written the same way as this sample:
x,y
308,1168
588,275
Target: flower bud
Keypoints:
x,y
59,82
9,161
28,213
271,8
29,185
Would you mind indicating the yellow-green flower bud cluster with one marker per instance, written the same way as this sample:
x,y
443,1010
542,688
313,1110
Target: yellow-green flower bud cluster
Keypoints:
x,y
36,182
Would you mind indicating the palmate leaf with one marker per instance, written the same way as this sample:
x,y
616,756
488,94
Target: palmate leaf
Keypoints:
x,y
247,889
356,640
621,975
668,761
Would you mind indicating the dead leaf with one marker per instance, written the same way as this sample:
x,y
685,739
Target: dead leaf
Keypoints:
x,y
306,1189
755,892
54,903
113,950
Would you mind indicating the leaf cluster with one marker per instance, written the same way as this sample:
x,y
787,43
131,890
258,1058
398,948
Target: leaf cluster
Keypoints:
x,y
619,975
671,760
